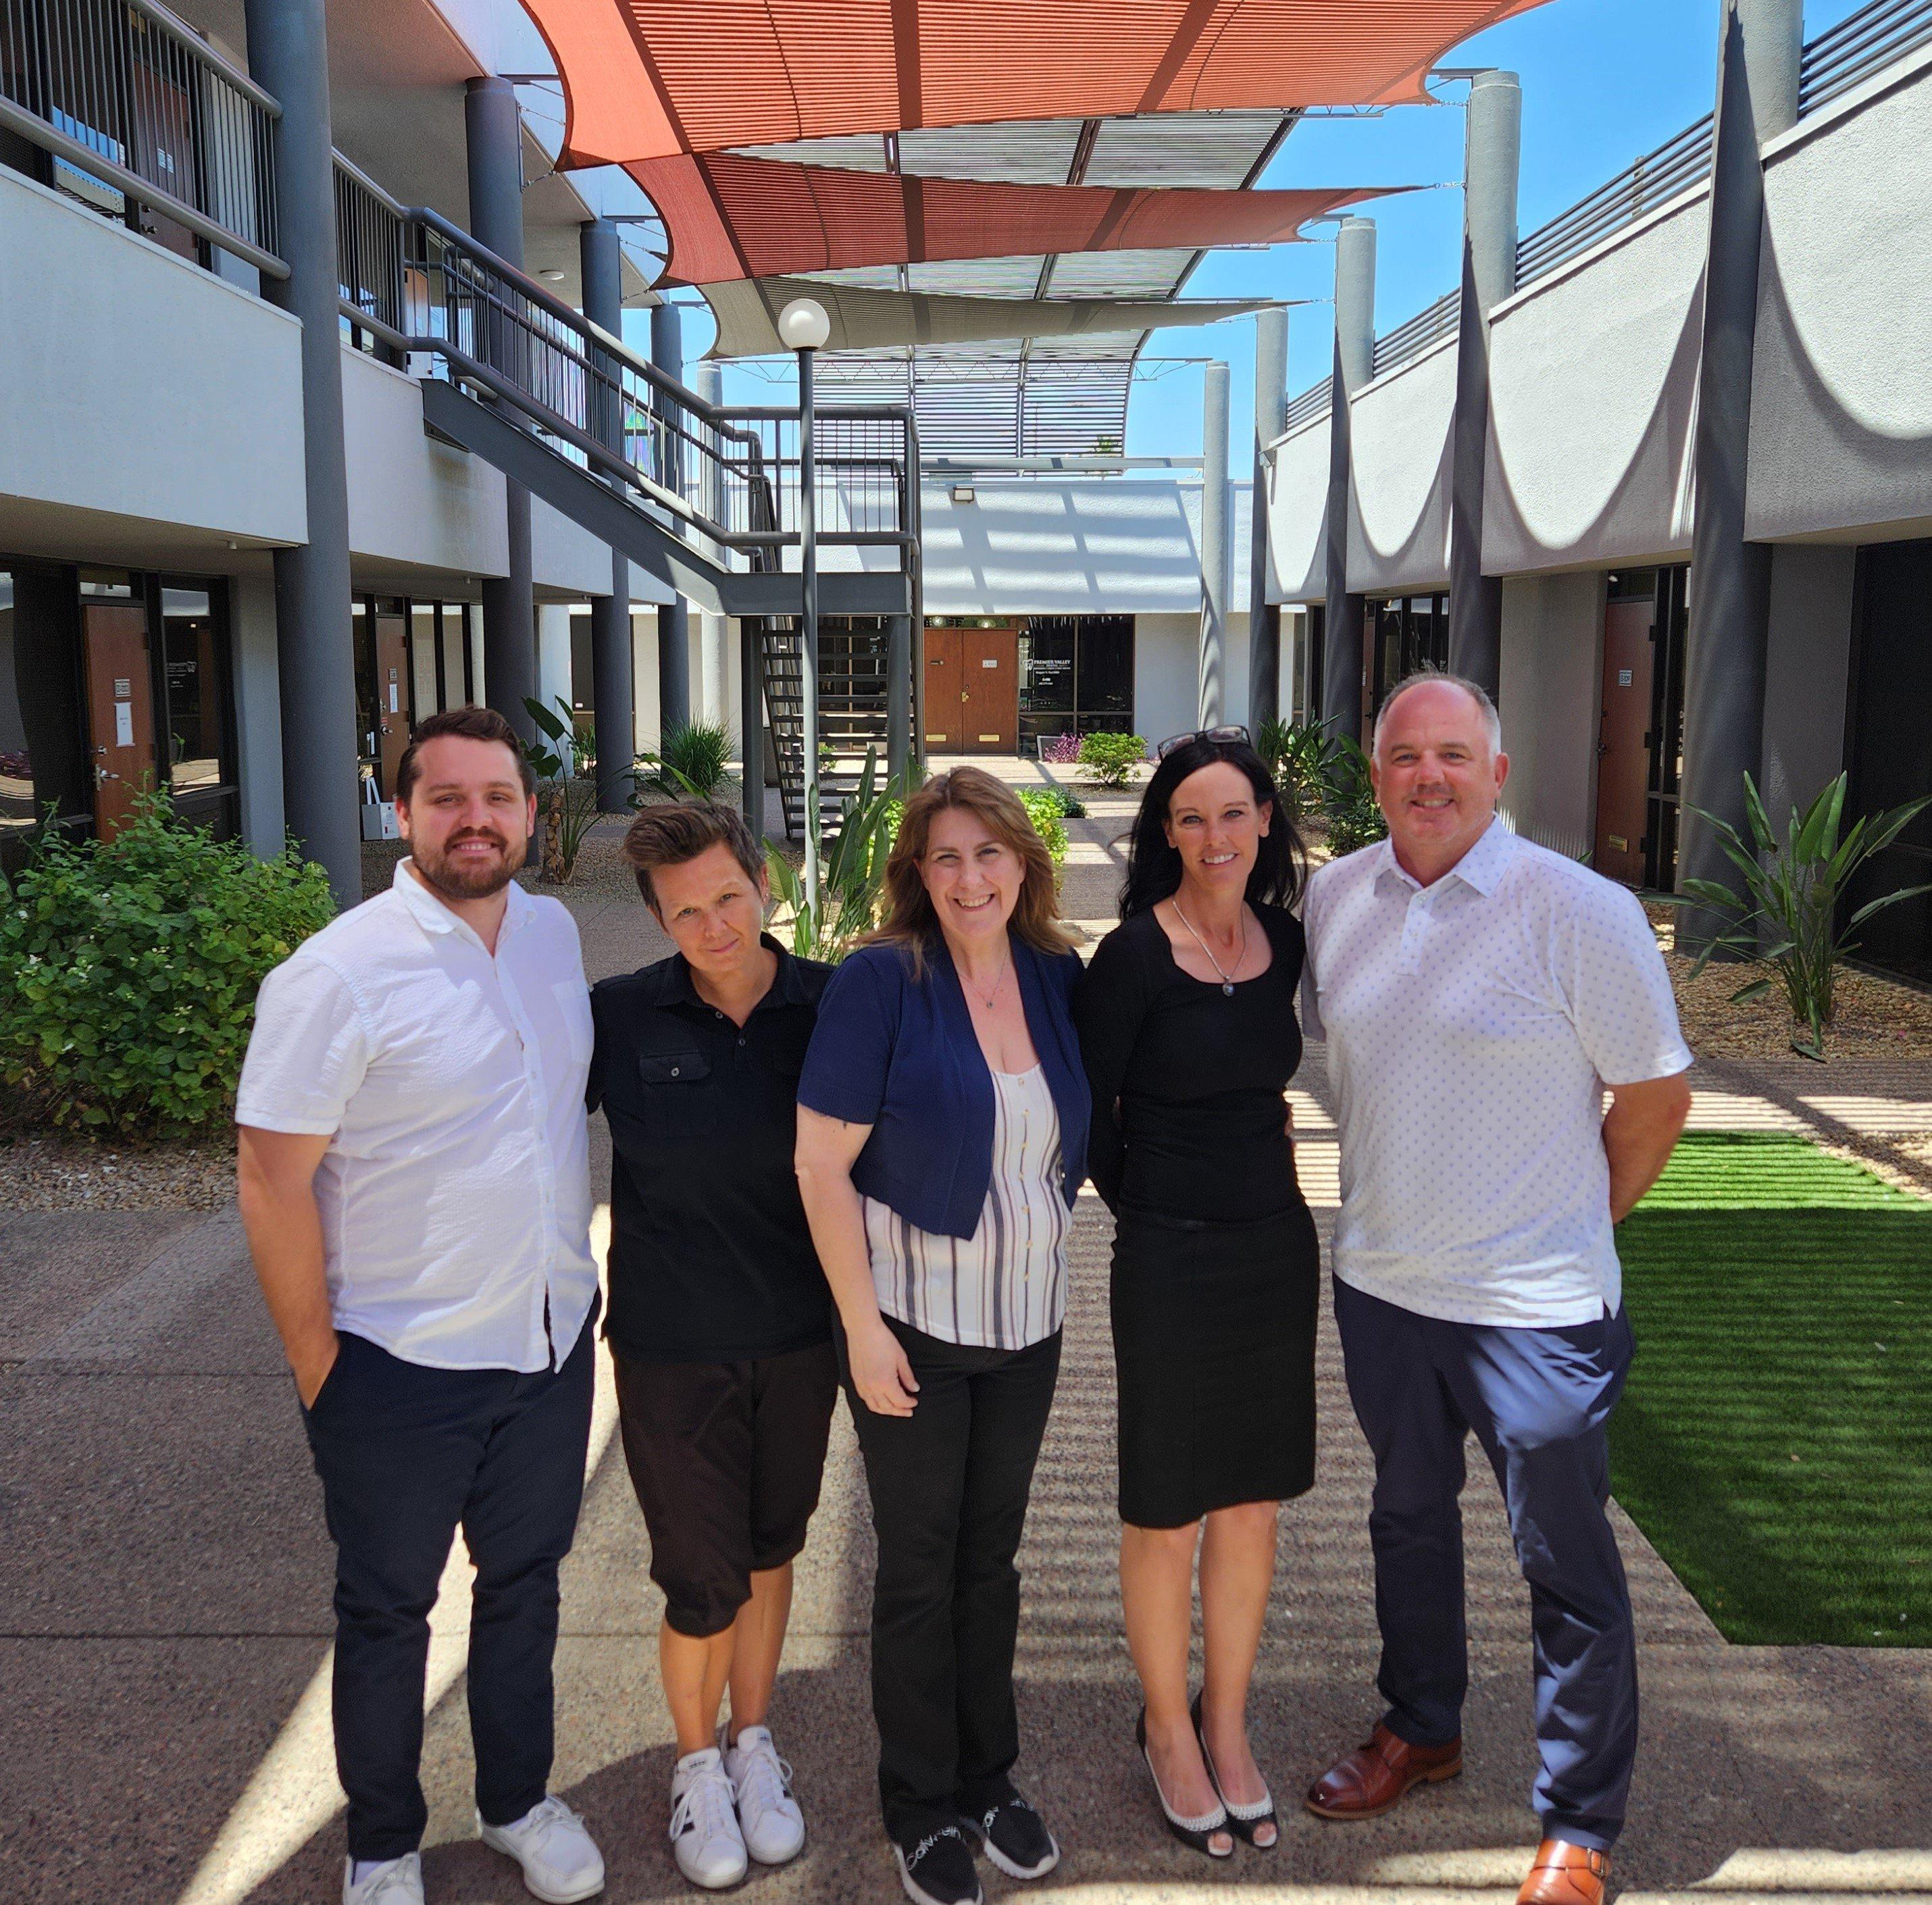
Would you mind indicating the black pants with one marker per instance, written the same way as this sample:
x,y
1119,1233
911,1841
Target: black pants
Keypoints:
x,y
949,1484
406,1455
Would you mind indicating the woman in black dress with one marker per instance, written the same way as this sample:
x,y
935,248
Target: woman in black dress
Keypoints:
x,y
1187,1026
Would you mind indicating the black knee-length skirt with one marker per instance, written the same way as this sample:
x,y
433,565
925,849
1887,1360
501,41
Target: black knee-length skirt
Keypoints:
x,y
1214,1356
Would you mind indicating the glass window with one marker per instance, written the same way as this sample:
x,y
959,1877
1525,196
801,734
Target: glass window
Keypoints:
x,y
194,663
1046,670
1106,673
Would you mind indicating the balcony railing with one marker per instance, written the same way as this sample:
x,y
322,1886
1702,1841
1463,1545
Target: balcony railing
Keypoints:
x,y
144,121
1654,180
1860,45
425,294
1312,403
1442,320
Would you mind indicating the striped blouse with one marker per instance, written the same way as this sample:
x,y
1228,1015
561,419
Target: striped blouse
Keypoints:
x,y
1005,1286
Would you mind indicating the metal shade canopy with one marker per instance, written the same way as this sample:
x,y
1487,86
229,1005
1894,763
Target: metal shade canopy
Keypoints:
x,y
732,217
861,318
647,78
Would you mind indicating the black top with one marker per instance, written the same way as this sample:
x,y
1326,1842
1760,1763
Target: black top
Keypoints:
x,y
1197,1074
710,1258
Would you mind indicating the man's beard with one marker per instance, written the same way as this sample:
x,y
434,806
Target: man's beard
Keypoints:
x,y
457,878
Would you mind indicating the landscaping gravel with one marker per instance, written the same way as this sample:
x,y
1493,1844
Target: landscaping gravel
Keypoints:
x,y
65,1173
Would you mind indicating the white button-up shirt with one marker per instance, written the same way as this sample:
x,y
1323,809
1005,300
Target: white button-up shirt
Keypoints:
x,y
455,1192
1471,1027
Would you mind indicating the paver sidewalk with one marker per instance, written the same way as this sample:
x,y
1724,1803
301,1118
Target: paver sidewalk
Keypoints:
x,y
164,1625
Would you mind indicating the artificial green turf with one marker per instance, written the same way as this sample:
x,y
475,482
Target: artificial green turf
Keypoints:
x,y
1775,1439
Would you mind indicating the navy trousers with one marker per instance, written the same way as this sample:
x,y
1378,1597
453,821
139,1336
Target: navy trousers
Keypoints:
x,y
1539,1401
407,1455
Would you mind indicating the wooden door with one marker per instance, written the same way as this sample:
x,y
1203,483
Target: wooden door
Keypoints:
x,y
392,695
120,709
164,152
989,661
1623,741
943,713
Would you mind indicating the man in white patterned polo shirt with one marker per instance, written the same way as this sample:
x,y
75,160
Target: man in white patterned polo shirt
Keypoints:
x,y
1477,994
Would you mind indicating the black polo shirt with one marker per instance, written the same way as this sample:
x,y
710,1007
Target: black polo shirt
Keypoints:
x,y
710,1258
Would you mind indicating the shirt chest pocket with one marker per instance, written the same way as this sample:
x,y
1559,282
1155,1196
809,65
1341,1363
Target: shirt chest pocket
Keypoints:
x,y
676,1094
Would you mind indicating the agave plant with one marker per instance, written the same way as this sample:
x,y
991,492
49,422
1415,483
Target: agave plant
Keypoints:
x,y
1302,756
852,870
566,795
690,762
1787,915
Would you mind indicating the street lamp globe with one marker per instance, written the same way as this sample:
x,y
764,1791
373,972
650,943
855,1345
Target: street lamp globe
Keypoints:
x,y
803,324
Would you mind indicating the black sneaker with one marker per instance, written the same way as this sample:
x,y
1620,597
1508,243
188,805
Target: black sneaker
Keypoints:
x,y
1015,1838
938,1870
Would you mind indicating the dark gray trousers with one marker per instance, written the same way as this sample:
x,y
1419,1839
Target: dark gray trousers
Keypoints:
x,y
1539,1401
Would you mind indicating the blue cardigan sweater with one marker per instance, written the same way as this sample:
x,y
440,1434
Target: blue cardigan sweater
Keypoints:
x,y
901,1054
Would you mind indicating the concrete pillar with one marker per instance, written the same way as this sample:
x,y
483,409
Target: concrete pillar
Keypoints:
x,y
898,697
714,632
751,721
613,690
1213,544
1355,365
492,129
258,712
674,616
553,671
1491,168
1730,578
1270,414
288,53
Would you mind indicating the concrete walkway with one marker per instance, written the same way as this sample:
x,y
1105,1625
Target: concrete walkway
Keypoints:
x,y
164,1628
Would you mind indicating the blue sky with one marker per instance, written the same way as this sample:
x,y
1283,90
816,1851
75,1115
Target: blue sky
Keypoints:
x,y
1603,81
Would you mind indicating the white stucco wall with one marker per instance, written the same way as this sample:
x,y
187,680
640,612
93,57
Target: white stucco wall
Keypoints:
x,y
1298,514
135,385
1167,663
1548,696
1841,397
1593,371
1400,449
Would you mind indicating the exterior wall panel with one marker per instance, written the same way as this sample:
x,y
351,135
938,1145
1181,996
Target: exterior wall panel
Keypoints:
x,y
1593,374
1400,446
1552,641
1298,515
1841,395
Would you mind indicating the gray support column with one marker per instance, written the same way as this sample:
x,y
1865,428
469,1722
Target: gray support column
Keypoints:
x,y
1265,619
288,52
1355,365
1213,544
898,697
1730,578
258,711
493,136
673,616
752,720
612,692
1491,167
714,632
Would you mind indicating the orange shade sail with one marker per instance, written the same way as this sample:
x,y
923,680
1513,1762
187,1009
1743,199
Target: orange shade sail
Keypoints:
x,y
650,79
731,218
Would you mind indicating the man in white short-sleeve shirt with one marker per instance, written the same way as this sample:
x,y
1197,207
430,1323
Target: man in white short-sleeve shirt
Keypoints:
x,y
414,1177
1477,993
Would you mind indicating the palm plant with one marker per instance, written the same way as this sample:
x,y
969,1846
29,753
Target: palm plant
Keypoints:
x,y
1787,916
690,762
566,794
1349,797
852,870
1301,756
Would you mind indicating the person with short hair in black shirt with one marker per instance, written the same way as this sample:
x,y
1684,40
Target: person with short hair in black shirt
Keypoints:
x,y
720,1324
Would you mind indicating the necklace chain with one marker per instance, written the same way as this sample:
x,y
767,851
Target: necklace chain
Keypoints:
x,y
1227,977
986,998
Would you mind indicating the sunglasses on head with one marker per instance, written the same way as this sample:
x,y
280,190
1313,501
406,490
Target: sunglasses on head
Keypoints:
x,y
1173,741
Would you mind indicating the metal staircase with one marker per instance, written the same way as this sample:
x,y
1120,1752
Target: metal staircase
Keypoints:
x,y
705,497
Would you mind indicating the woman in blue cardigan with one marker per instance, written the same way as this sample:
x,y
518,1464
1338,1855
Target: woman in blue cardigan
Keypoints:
x,y
942,1136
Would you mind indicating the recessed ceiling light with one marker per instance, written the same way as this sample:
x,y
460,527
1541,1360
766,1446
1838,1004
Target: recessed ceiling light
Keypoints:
x,y
555,277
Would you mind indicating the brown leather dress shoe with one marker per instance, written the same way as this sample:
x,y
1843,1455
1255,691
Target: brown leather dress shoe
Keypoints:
x,y
1565,1874
1371,1779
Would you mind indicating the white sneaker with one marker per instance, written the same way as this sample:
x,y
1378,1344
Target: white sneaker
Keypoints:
x,y
704,1834
394,1882
773,1826
560,1860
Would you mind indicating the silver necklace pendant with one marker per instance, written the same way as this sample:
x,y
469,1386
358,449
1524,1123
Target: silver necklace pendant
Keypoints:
x,y
1228,987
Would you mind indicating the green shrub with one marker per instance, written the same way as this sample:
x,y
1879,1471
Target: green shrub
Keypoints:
x,y
128,972
690,761
1111,759
1301,756
1056,801
1348,800
1043,809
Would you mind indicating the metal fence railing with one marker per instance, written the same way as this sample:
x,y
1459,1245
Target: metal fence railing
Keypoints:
x,y
1654,180
1312,403
145,121
1442,320
1860,45
423,292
